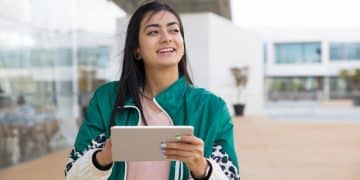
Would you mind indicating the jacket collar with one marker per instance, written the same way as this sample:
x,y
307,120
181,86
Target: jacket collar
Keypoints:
x,y
170,98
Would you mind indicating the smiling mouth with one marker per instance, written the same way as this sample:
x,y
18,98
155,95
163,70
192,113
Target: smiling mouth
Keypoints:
x,y
166,50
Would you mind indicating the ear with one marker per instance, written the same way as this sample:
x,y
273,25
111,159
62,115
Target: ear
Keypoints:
x,y
138,51
137,54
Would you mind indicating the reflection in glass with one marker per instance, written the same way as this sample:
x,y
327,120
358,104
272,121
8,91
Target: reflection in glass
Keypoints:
x,y
294,88
48,72
297,53
344,51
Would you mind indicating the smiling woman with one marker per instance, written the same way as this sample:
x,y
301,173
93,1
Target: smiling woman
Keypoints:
x,y
155,89
160,41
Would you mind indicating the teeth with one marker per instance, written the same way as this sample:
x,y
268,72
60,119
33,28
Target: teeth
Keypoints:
x,y
166,50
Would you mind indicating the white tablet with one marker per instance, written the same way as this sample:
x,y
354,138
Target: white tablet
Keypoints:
x,y
142,143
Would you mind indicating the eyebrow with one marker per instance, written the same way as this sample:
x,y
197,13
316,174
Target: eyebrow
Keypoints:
x,y
157,25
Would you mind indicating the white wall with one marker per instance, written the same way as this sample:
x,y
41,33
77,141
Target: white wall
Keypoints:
x,y
196,28
231,46
214,44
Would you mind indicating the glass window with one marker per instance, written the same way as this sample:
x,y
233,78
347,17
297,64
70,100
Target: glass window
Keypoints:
x,y
14,58
312,52
340,88
297,53
337,52
294,88
344,51
63,57
94,56
42,57
39,85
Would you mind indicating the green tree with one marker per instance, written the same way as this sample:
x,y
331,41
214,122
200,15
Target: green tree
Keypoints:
x,y
352,76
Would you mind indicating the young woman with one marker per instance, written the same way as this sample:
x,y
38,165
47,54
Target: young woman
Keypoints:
x,y
155,89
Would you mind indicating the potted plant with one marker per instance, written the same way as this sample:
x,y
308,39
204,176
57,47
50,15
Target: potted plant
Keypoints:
x,y
353,76
241,77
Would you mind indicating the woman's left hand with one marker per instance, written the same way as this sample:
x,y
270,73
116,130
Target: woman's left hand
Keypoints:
x,y
190,150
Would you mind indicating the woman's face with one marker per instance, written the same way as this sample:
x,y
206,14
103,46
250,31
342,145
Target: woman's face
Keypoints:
x,y
160,42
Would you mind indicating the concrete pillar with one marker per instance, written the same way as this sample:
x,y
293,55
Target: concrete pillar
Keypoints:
x,y
326,91
325,62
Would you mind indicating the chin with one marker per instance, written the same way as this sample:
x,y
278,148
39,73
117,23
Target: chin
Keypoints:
x,y
169,61
169,65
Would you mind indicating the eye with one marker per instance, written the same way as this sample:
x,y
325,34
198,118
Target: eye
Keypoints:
x,y
152,33
174,31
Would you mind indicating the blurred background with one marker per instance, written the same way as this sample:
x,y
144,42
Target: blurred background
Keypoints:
x,y
288,70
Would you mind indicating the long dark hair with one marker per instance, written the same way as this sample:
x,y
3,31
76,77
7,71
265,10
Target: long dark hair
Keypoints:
x,y
133,71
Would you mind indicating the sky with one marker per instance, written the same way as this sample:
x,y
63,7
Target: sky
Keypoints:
x,y
100,15
296,13
253,14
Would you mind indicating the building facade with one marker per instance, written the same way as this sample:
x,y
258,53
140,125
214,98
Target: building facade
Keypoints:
x,y
305,65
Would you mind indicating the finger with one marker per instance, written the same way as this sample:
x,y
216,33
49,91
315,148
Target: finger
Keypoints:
x,y
174,152
187,160
180,158
191,140
184,147
184,156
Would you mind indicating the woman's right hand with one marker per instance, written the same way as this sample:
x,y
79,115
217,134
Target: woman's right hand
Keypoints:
x,y
104,157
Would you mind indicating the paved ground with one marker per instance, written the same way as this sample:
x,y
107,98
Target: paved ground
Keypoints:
x,y
268,150
296,151
47,167
312,111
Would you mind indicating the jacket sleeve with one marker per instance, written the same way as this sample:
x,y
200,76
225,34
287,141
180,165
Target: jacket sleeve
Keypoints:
x,y
84,168
223,152
91,137
222,167
216,173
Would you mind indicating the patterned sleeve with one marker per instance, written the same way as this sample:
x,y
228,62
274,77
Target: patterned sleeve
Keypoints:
x,y
97,143
224,161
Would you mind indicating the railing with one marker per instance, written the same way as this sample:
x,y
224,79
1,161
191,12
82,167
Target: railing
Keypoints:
x,y
308,95
281,95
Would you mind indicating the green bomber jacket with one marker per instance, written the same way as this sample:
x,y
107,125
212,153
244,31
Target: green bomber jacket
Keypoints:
x,y
183,103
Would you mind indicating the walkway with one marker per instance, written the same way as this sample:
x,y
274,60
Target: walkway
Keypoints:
x,y
266,149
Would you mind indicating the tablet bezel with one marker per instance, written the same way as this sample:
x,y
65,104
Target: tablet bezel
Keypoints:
x,y
143,142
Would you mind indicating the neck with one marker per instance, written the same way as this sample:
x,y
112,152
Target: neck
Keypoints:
x,y
157,81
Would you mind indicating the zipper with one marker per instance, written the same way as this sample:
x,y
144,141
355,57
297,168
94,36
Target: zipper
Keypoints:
x,y
139,121
157,104
181,169
178,164
137,109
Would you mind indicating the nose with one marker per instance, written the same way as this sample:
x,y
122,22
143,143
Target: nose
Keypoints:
x,y
165,37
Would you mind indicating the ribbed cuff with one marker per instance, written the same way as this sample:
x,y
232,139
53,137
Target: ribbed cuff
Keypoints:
x,y
207,175
97,164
